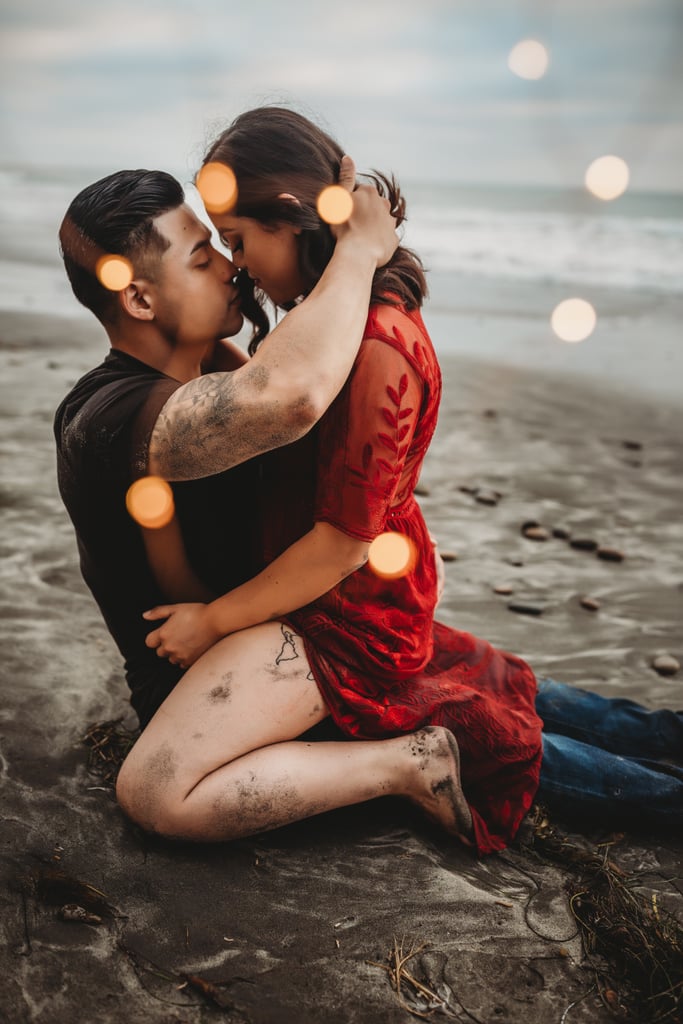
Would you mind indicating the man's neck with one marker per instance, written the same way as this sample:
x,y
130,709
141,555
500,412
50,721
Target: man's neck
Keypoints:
x,y
180,363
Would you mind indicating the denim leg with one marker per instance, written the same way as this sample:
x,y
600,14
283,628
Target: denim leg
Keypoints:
x,y
613,723
579,779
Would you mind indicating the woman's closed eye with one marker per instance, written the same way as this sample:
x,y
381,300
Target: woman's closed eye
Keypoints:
x,y
234,245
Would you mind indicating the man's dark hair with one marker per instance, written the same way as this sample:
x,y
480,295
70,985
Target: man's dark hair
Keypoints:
x,y
116,215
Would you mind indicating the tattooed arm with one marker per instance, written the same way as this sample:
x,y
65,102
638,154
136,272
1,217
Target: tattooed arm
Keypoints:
x,y
306,570
221,419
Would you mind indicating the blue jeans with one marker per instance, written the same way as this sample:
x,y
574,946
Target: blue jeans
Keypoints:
x,y
609,758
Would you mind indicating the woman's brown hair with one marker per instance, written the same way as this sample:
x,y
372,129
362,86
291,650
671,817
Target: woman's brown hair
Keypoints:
x,y
276,154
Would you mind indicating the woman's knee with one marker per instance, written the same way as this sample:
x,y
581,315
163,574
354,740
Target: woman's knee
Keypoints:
x,y
173,815
146,793
129,792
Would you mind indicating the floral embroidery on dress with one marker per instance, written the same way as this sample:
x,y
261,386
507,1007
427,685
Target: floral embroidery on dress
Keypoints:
x,y
376,466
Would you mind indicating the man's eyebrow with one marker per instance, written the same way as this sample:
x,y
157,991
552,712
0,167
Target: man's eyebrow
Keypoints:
x,y
201,244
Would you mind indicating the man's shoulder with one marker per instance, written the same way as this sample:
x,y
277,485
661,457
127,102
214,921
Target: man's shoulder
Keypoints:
x,y
116,377
108,397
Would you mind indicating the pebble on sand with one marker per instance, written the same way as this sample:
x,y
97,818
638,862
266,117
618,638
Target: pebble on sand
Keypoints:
x,y
591,604
504,588
487,497
523,608
583,544
448,556
484,495
534,531
422,491
561,533
666,665
610,554
74,912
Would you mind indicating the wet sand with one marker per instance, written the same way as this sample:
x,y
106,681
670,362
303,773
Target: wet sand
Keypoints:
x,y
286,924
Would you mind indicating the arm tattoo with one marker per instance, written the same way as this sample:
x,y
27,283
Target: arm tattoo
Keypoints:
x,y
214,422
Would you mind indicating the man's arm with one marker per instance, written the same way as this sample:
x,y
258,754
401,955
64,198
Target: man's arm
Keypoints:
x,y
167,557
219,420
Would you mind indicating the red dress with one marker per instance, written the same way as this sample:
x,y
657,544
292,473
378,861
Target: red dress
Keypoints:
x,y
382,663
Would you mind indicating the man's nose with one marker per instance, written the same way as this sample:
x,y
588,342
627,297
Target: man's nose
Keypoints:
x,y
227,268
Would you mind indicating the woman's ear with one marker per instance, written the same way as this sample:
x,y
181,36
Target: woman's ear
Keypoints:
x,y
136,300
295,202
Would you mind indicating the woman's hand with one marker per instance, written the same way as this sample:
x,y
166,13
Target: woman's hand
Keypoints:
x,y
371,219
186,634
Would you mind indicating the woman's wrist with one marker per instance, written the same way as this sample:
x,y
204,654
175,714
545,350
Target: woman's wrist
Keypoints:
x,y
215,620
364,253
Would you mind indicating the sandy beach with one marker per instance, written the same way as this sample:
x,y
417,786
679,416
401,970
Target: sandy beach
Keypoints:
x,y
296,925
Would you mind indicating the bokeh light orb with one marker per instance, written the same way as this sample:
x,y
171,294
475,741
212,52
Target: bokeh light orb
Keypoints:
x,y
607,177
150,502
335,204
217,185
573,320
391,555
114,272
529,59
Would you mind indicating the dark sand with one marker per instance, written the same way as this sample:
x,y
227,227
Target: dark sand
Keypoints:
x,y
287,921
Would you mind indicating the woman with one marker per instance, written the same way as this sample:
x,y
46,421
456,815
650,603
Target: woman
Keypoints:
x,y
383,667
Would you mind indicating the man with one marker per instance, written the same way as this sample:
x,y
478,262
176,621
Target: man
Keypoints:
x,y
147,407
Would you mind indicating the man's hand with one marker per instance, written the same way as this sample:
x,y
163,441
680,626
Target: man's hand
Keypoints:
x,y
370,223
186,634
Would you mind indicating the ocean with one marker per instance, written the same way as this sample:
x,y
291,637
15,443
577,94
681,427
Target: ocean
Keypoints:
x,y
549,236
499,260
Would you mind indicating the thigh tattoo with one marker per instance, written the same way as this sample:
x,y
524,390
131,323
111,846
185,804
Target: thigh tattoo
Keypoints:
x,y
288,651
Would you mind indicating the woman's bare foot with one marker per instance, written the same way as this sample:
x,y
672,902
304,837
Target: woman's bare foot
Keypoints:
x,y
435,780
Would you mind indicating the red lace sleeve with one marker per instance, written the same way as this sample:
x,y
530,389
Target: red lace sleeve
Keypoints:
x,y
365,442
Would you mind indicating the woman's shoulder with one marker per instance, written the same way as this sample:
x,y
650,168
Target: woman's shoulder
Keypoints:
x,y
403,329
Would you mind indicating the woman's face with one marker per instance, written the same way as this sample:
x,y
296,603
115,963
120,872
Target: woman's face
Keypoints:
x,y
268,254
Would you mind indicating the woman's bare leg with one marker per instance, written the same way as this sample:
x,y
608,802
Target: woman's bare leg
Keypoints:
x,y
220,758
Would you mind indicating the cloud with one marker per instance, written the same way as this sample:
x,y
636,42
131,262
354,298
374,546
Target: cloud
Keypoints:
x,y
423,84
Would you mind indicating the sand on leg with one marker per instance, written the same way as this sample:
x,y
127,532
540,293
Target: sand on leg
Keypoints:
x,y
220,758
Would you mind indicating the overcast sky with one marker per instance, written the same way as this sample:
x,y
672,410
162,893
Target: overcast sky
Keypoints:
x,y
420,87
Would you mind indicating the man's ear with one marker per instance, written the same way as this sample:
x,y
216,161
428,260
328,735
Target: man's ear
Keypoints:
x,y
136,300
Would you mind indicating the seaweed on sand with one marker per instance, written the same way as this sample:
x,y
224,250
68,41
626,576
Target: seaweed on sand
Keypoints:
x,y
51,885
634,947
413,995
108,743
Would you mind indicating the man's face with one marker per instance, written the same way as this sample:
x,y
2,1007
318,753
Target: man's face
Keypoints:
x,y
194,299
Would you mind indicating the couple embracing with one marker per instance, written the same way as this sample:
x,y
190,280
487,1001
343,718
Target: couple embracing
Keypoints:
x,y
254,615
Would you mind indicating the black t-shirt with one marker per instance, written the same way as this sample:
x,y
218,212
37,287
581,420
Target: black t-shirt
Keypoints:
x,y
102,430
